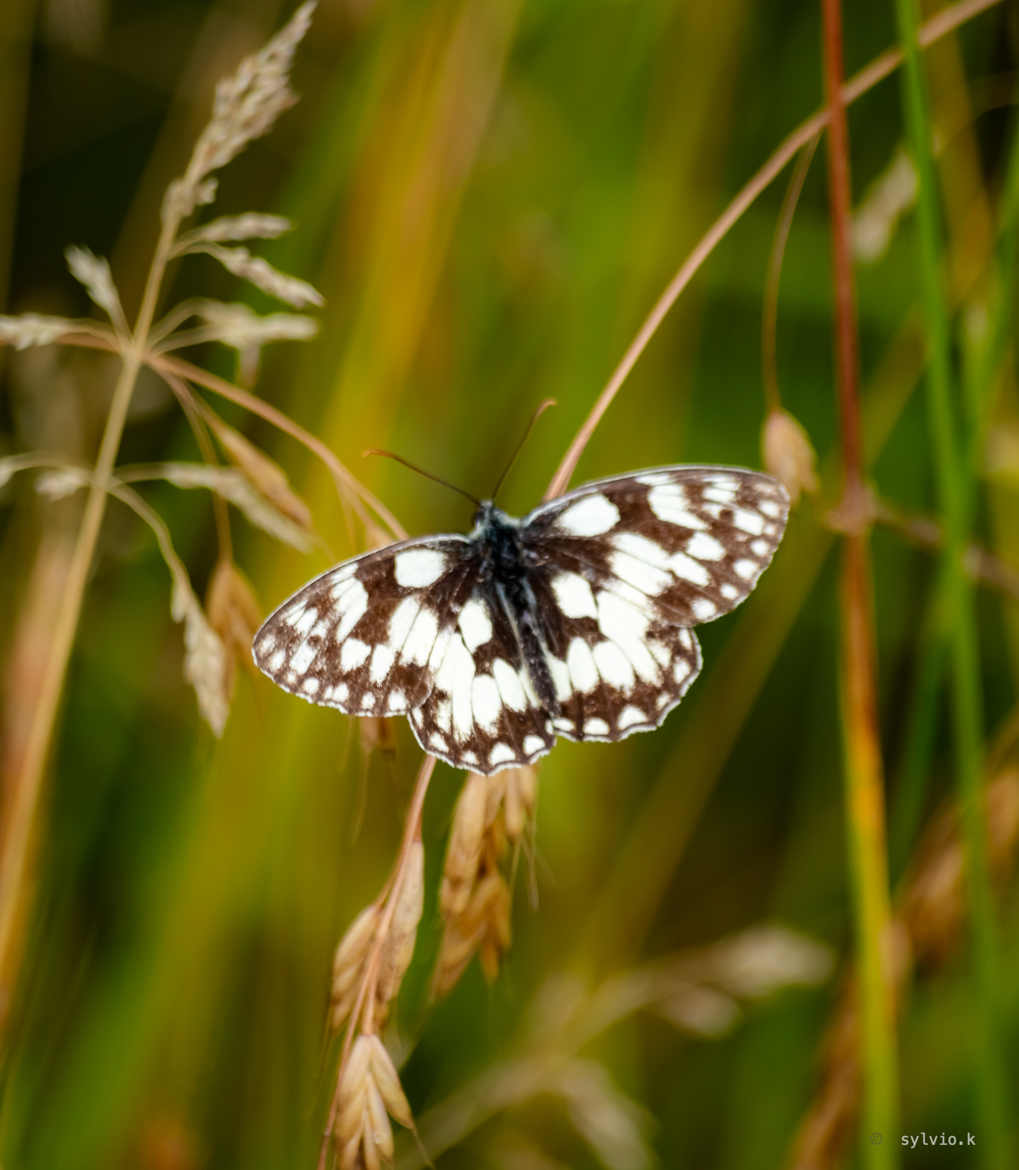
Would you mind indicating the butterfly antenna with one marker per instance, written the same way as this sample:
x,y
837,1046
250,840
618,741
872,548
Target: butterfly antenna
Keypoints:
x,y
421,471
542,407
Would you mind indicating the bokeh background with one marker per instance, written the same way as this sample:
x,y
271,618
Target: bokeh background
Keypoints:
x,y
490,197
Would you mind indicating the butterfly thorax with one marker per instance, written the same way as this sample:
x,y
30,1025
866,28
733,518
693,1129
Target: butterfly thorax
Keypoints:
x,y
498,540
505,563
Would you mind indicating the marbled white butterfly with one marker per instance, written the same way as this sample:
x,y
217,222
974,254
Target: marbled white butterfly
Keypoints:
x,y
574,621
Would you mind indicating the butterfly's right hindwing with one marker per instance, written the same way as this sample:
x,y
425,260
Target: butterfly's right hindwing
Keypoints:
x,y
368,635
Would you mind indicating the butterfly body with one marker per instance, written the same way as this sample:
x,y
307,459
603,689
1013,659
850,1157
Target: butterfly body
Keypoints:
x,y
573,621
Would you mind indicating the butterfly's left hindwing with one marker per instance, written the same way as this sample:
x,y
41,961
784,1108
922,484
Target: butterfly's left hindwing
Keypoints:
x,y
367,635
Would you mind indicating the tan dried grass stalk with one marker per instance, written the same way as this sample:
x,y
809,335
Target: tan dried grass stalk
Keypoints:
x,y
247,104
368,969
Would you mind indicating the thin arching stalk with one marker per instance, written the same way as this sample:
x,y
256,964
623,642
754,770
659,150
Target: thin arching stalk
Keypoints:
x,y
863,767
15,863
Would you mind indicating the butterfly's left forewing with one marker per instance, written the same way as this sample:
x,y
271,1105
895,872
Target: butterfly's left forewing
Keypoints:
x,y
367,636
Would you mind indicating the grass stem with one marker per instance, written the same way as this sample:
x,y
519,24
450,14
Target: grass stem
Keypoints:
x,y
863,768
955,499
19,834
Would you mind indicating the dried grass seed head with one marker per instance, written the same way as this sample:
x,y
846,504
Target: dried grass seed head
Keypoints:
x,y
349,963
29,329
264,474
788,454
245,107
369,1094
234,615
93,273
204,656
398,946
463,853
239,261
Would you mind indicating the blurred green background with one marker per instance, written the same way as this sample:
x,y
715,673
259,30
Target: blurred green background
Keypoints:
x,y
490,196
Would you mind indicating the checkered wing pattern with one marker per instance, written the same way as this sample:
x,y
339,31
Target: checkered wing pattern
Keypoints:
x,y
483,711
624,567
367,636
575,621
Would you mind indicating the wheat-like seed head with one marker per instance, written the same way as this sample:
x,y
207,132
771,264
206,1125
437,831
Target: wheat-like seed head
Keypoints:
x,y
349,963
245,107
369,1094
474,897
398,947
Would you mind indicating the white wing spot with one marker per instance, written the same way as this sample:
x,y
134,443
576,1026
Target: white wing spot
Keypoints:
x,y
468,757
704,547
613,665
771,508
382,661
690,570
277,660
670,503
340,579
581,665
728,591
310,685
444,714
560,677
397,701
421,638
416,567
629,716
367,700
745,569
302,658
401,620
509,684
640,547
595,727
266,644
656,479
502,753
748,521
353,606
661,652
703,609
475,624
339,693
455,677
573,595
439,741
760,548
485,702
306,620
591,516
619,620
353,653
719,494
533,744
643,577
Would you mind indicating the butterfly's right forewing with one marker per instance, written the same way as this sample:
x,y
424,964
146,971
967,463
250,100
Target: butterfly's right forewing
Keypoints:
x,y
367,636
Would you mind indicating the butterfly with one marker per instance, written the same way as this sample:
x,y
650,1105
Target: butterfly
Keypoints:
x,y
575,620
